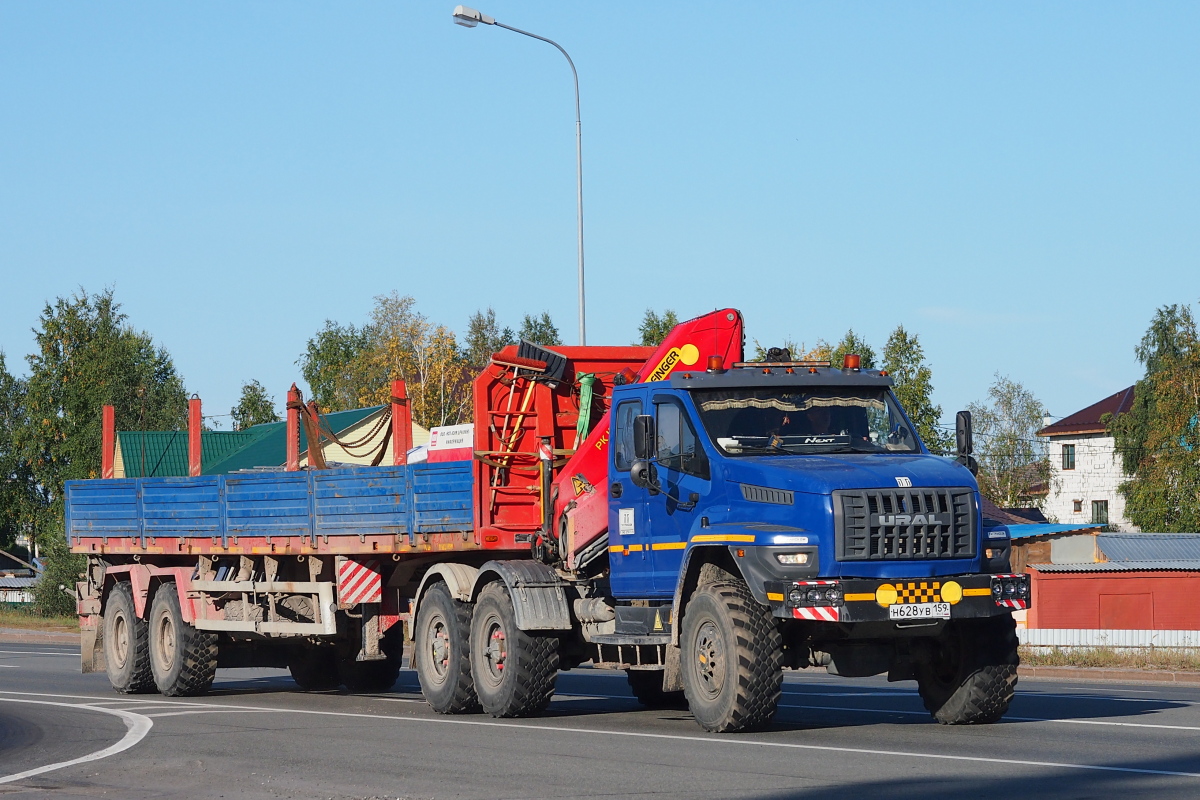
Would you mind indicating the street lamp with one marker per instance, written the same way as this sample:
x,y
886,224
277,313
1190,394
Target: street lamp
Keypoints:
x,y
469,18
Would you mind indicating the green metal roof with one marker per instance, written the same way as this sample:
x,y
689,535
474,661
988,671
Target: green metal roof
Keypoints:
x,y
165,453
269,448
221,452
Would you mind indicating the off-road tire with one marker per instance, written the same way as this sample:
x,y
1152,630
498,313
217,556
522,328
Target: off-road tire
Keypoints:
x,y
968,676
126,643
442,652
374,676
647,687
314,668
731,659
514,671
183,658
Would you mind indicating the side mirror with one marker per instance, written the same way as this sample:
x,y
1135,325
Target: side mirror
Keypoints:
x,y
643,473
964,444
643,437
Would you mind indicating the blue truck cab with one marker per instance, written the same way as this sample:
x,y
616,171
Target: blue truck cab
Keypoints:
x,y
811,485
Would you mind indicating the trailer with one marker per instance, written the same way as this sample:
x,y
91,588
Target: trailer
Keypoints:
x,y
696,520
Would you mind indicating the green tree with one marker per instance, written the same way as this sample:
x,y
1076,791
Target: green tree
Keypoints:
x,y
331,364
1158,439
19,499
1012,462
904,359
50,594
654,328
539,330
254,408
853,343
484,337
89,356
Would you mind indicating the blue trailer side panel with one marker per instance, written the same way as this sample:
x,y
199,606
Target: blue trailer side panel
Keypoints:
x,y
421,498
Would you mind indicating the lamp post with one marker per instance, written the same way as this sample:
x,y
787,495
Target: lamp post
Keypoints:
x,y
469,18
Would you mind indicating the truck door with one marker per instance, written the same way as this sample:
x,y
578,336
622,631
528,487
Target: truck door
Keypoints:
x,y
628,531
683,474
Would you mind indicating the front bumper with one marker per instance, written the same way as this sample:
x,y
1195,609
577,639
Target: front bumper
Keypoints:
x,y
871,600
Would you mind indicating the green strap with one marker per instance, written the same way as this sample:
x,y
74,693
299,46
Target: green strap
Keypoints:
x,y
586,379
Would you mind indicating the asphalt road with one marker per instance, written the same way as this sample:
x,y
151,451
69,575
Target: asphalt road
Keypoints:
x,y
63,734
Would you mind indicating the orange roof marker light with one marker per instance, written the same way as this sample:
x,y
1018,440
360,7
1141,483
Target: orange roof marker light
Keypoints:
x,y
852,361
716,363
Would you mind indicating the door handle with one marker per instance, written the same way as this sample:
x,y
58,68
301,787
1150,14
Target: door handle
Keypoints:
x,y
615,490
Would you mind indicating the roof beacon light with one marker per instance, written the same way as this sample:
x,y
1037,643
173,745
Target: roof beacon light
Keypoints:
x,y
716,364
852,361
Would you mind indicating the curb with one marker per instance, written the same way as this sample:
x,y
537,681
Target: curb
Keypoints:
x,y
1108,675
22,636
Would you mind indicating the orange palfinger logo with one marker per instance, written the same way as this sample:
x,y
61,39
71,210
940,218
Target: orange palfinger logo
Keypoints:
x,y
687,355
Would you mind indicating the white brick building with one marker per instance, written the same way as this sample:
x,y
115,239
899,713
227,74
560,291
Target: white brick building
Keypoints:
x,y
1085,470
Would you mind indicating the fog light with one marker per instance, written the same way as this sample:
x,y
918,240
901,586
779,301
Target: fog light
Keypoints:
x,y
997,590
796,597
1010,588
792,558
834,596
814,595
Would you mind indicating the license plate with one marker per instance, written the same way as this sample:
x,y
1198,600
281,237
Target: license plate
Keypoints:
x,y
920,611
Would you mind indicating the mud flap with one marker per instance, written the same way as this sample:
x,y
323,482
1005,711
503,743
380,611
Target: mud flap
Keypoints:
x,y
91,650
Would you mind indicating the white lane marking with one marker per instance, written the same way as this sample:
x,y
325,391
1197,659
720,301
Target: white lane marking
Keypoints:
x,y
1007,717
38,653
721,740
233,710
1110,698
136,728
8,666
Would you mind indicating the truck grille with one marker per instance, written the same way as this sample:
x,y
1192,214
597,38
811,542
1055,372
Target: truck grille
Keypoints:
x,y
904,524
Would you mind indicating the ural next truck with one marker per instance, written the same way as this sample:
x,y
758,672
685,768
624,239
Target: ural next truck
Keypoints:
x,y
699,521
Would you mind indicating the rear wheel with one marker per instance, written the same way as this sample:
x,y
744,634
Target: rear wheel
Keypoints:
x,y
182,658
647,687
514,670
314,668
968,675
126,643
731,659
442,652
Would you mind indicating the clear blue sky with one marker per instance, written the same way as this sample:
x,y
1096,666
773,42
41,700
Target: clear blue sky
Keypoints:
x,y
1018,183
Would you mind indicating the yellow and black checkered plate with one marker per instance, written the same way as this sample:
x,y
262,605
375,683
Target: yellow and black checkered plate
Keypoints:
x,y
918,592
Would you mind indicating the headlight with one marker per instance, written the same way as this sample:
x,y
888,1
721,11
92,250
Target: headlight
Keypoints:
x,y
997,590
814,595
796,596
834,595
792,559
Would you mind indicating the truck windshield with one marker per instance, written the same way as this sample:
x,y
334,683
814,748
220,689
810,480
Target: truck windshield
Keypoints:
x,y
752,421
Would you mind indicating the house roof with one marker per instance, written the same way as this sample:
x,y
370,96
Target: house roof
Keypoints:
x,y
1129,552
269,448
1009,516
17,583
1088,419
165,453
1122,566
220,451
1031,530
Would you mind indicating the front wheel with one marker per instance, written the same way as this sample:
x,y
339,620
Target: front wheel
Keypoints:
x,y
514,670
442,652
968,675
182,658
731,658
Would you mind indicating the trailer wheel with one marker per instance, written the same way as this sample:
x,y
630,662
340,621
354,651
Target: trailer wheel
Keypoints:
x,y
126,643
182,657
514,670
647,687
442,652
968,676
374,676
314,668
732,659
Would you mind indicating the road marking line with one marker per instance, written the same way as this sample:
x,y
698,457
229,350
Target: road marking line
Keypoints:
x,y
37,653
1007,717
721,740
136,728
8,666
233,710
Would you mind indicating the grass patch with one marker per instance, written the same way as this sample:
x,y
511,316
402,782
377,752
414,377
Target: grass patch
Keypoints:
x,y
1154,658
22,615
